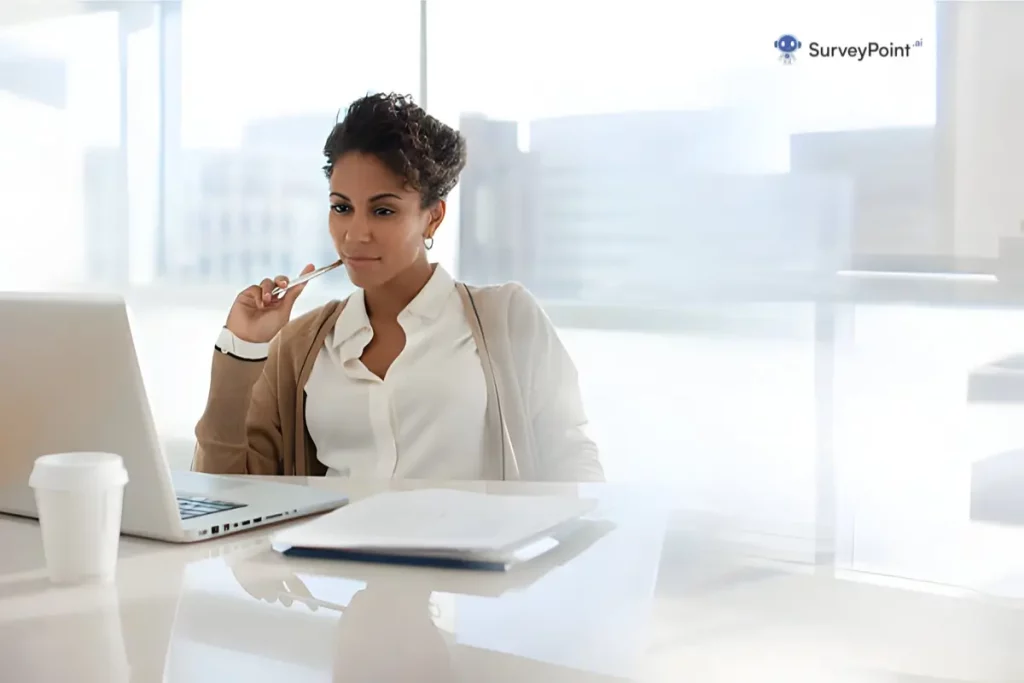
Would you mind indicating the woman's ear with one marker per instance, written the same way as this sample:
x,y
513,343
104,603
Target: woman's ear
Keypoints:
x,y
435,215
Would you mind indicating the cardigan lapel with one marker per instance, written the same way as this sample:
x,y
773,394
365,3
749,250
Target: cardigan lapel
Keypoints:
x,y
303,461
506,467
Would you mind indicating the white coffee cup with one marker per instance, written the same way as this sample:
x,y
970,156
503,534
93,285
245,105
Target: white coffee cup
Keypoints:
x,y
79,497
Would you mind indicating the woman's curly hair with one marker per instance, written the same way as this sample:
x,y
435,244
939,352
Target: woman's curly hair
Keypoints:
x,y
416,146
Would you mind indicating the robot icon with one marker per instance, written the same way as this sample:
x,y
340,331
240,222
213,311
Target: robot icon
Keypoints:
x,y
787,46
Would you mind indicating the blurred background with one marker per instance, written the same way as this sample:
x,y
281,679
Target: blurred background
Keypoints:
x,y
777,280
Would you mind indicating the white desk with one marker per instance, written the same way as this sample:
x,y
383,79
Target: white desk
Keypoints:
x,y
645,597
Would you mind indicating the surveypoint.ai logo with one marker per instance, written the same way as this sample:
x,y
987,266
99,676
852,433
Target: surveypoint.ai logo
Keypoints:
x,y
787,45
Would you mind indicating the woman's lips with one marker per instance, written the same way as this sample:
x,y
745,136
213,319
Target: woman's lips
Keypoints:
x,y
360,261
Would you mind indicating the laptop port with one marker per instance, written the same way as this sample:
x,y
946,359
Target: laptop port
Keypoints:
x,y
215,530
257,520
270,517
245,523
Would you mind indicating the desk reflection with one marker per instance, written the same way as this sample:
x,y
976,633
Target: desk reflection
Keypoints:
x,y
385,632
405,645
265,617
84,643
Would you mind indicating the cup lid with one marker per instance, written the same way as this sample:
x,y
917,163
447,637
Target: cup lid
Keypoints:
x,y
77,471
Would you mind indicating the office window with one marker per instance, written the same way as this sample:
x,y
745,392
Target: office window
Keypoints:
x,y
245,266
637,165
696,214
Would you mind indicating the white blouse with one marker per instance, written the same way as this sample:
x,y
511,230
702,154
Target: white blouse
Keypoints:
x,y
425,419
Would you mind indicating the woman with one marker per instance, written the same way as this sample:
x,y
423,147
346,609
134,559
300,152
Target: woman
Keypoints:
x,y
414,375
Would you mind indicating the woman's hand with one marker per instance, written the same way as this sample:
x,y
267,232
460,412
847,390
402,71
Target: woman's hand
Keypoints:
x,y
257,315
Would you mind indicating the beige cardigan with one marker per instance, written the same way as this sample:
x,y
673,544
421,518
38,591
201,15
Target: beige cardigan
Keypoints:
x,y
254,422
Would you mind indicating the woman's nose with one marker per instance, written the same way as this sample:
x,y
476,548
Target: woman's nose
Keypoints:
x,y
358,231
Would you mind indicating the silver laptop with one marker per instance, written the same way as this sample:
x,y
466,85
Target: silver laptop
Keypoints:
x,y
70,381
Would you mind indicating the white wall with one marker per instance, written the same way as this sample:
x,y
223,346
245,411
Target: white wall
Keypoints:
x,y
981,123
21,11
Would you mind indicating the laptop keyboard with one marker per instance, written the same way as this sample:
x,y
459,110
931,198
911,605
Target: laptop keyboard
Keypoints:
x,y
190,507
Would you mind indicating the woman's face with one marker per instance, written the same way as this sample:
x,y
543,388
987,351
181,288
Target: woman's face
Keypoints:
x,y
377,222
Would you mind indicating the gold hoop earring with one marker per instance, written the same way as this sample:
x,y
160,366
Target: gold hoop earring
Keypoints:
x,y
428,242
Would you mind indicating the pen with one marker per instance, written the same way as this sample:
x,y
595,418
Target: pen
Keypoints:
x,y
279,291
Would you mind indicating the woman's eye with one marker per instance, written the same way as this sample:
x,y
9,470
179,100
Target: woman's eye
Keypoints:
x,y
339,208
382,211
